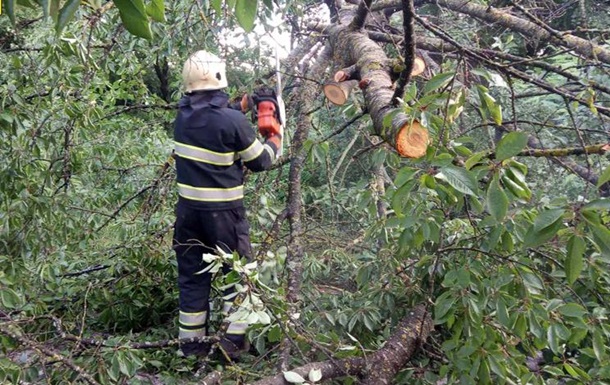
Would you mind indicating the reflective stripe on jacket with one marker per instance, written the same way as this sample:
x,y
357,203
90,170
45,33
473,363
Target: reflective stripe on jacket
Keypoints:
x,y
212,142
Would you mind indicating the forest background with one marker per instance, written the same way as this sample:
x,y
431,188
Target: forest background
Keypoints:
x,y
486,260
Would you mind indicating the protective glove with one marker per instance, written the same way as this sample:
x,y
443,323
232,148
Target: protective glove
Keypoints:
x,y
263,94
266,112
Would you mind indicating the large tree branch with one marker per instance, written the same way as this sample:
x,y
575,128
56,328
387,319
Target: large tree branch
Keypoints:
x,y
391,124
399,348
599,149
584,172
294,259
382,366
439,45
490,14
360,17
511,71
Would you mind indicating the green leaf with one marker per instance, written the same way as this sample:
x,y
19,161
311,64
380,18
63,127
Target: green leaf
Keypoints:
x,y
216,5
245,11
572,310
474,159
460,179
552,339
495,110
401,196
532,282
520,167
502,313
577,372
438,81
598,205
599,346
54,9
115,371
293,377
9,299
510,145
133,15
601,236
497,364
514,181
443,303
497,201
65,14
604,177
275,334
520,326
547,218
489,105
124,364
535,238
574,259
156,10
534,325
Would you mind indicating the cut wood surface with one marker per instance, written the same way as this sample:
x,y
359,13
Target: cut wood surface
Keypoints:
x,y
419,66
354,47
412,140
338,92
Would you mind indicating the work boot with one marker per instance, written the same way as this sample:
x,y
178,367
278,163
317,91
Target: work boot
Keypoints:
x,y
232,347
198,349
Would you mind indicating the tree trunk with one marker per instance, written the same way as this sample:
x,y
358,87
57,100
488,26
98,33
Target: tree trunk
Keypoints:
x,y
294,259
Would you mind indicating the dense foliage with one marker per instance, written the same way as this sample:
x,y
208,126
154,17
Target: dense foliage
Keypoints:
x,y
501,230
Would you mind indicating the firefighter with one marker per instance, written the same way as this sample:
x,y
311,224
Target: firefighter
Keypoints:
x,y
212,144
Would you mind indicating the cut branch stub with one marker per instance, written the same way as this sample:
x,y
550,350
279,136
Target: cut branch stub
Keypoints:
x,y
347,73
412,140
338,92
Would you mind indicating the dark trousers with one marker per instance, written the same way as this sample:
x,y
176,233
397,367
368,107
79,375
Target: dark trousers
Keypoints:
x,y
196,233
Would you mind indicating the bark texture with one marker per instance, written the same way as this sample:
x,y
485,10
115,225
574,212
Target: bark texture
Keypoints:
x,y
294,258
504,18
382,366
354,47
400,347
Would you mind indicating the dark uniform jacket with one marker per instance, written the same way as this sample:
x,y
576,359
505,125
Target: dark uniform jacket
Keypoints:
x,y
212,143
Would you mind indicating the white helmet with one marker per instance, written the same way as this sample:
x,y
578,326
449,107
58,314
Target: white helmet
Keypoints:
x,y
204,71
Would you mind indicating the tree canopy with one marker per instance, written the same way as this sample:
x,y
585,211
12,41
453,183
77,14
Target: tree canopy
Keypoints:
x,y
440,214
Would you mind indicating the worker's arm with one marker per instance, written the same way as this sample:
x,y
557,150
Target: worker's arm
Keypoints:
x,y
256,156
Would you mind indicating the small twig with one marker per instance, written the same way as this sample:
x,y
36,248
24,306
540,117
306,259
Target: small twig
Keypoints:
x,y
408,12
50,353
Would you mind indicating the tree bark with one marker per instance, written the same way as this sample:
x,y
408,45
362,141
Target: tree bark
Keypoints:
x,y
490,14
294,258
355,48
400,347
584,172
382,366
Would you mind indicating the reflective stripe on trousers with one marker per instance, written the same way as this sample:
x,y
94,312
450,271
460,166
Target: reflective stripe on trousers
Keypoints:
x,y
192,324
